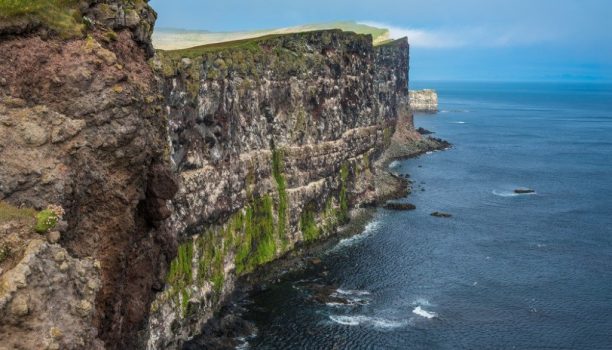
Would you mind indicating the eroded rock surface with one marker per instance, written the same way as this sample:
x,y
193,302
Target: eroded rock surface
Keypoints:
x,y
80,127
424,101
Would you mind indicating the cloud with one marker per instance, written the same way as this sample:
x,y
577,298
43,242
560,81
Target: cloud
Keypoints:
x,y
464,37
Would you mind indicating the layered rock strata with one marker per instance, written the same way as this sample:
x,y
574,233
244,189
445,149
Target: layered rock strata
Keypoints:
x,y
424,101
273,141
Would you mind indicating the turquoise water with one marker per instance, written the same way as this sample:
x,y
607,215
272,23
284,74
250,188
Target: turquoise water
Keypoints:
x,y
506,271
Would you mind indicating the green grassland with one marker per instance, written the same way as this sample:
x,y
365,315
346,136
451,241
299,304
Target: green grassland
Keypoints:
x,y
176,39
60,16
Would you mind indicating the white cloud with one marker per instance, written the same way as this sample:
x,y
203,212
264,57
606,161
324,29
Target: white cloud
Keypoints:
x,y
462,37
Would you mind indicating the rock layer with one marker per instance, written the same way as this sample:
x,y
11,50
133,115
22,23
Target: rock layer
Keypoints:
x,y
273,140
424,101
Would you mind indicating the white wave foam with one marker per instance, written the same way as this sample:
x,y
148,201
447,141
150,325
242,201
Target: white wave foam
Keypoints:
x,y
460,122
347,242
509,193
244,344
424,313
368,321
394,164
352,292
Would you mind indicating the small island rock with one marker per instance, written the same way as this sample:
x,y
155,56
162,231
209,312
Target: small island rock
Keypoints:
x,y
399,206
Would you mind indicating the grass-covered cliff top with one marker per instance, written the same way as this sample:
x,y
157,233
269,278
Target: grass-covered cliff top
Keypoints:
x,y
176,39
60,16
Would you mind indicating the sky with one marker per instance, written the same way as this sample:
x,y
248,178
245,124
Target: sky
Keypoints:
x,y
476,40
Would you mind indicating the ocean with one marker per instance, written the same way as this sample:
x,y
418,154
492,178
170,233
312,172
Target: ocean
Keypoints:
x,y
506,271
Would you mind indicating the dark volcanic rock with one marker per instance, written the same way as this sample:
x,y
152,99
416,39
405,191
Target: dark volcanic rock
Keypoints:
x,y
440,214
399,206
423,131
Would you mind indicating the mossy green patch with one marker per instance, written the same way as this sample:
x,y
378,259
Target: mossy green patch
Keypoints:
x,y
259,246
5,253
343,196
45,221
308,225
61,16
278,167
387,134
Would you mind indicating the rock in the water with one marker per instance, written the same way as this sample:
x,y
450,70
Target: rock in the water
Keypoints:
x,y
440,214
524,190
424,101
423,131
399,206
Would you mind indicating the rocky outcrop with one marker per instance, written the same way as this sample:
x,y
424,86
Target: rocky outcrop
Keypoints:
x,y
424,101
50,294
81,127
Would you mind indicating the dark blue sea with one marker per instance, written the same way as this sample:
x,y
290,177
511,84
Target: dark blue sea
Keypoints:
x,y
506,271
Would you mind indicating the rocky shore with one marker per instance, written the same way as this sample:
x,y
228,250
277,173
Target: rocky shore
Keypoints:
x,y
228,328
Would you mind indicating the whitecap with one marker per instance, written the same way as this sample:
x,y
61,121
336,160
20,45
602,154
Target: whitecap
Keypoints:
x,y
347,242
394,164
332,304
244,343
424,313
376,322
347,320
460,122
352,292
504,193
510,193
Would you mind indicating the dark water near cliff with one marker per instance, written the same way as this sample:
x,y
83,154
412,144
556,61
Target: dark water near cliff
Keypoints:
x,y
506,271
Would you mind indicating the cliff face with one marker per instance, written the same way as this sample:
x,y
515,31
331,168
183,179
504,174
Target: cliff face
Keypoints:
x,y
273,141
267,143
81,127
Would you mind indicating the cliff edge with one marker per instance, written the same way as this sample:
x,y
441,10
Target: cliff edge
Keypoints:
x,y
137,187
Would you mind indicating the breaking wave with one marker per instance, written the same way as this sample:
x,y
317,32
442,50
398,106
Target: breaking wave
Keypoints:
x,y
376,322
424,313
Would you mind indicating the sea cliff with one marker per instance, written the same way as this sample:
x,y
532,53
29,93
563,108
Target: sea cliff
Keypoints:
x,y
273,140
176,172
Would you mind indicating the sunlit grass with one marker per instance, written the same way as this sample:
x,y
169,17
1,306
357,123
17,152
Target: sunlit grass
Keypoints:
x,y
61,16
9,212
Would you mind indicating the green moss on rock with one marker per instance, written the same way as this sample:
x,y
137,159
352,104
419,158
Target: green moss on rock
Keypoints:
x,y
45,221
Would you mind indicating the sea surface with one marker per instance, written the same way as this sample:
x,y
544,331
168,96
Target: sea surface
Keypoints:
x,y
506,271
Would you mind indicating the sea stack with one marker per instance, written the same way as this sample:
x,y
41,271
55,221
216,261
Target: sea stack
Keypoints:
x,y
424,101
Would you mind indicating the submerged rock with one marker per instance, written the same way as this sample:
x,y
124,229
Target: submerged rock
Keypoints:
x,y
523,190
423,131
440,214
399,206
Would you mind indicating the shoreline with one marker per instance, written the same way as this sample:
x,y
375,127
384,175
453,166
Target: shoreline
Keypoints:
x,y
225,329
